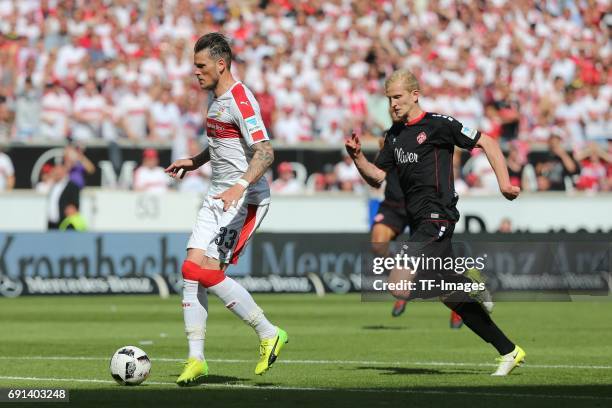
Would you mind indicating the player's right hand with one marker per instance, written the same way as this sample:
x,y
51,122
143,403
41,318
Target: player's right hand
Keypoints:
x,y
186,165
510,192
353,146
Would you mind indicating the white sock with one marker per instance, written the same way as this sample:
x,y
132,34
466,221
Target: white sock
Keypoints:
x,y
238,300
195,312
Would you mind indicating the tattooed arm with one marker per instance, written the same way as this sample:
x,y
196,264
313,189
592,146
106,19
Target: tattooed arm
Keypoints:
x,y
261,161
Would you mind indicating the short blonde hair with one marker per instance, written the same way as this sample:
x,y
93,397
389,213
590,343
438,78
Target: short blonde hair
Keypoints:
x,y
406,77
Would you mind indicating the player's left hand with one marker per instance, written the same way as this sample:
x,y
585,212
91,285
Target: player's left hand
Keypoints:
x,y
231,196
353,146
510,192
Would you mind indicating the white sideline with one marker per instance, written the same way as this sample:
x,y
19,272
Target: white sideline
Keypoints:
x,y
349,362
319,389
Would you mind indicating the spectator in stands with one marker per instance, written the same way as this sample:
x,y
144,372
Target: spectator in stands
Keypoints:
x,y
508,108
133,109
267,106
55,112
46,179
594,163
319,184
570,113
64,197
555,168
7,172
323,60
88,112
164,117
491,123
197,181
286,182
288,128
334,135
6,119
27,111
597,115
78,164
482,179
516,166
331,178
150,177
69,59
505,226
348,175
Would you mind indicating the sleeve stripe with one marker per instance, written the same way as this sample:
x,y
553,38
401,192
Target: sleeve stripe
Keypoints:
x,y
240,96
258,136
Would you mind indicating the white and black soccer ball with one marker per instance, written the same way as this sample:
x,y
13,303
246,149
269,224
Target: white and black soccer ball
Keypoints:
x,y
130,365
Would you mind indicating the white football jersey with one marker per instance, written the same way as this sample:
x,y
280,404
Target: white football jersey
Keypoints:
x,y
233,126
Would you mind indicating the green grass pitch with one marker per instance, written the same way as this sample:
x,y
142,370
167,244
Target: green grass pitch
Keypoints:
x,y
341,352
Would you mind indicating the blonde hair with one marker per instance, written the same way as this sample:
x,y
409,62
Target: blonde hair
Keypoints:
x,y
404,76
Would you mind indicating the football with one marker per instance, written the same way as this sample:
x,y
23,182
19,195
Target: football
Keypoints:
x,y
130,365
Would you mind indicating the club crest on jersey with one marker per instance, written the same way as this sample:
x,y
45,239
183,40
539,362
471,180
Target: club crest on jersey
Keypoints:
x,y
219,112
421,137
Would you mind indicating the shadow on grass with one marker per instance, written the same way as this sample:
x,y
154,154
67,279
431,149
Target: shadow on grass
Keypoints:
x,y
382,327
211,379
395,370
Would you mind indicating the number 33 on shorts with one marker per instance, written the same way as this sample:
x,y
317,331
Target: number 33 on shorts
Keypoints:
x,y
225,234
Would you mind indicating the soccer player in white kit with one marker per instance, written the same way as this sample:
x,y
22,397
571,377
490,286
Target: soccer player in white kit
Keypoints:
x,y
239,152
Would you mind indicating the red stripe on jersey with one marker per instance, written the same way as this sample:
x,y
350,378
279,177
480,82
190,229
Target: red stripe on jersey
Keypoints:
x,y
416,120
242,101
258,136
215,128
436,156
245,233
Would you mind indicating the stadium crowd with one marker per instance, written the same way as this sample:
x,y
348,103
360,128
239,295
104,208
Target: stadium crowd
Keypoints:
x,y
532,73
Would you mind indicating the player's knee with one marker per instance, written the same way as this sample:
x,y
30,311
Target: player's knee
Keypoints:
x,y
190,270
206,277
380,248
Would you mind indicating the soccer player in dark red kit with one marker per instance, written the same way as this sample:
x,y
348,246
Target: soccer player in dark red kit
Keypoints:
x,y
391,220
421,151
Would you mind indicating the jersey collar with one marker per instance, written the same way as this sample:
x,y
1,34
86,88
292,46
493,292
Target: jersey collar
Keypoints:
x,y
417,119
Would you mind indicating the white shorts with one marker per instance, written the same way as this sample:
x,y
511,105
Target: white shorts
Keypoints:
x,y
224,235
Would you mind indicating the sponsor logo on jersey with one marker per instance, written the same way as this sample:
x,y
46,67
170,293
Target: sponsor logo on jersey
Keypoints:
x,y
252,124
421,137
405,157
468,132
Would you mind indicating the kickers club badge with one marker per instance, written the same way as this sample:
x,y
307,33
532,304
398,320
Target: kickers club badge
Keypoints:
x,y
421,137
